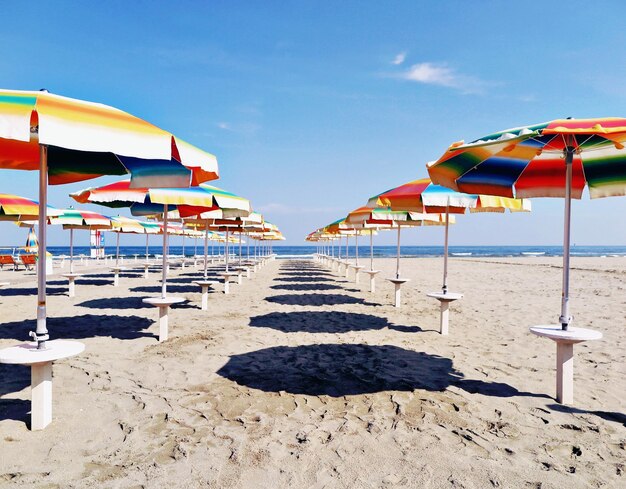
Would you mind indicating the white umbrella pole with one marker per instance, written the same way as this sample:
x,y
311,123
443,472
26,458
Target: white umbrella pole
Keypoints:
x,y
445,250
356,249
71,250
147,246
398,254
226,252
117,249
239,248
248,246
164,263
371,250
183,246
206,249
565,318
41,333
195,246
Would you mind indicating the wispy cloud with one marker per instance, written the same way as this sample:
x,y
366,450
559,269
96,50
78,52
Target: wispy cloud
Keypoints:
x,y
443,75
225,126
245,128
399,59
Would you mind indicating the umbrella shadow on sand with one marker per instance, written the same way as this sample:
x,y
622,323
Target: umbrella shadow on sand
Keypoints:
x,y
115,303
85,326
14,291
349,369
606,415
325,322
303,279
173,288
315,299
307,286
14,378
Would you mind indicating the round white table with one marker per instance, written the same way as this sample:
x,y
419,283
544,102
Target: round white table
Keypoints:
x,y
565,341
71,277
40,362
163,303
444,300
397,285
204,287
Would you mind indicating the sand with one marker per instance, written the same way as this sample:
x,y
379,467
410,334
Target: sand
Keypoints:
x,y
300,378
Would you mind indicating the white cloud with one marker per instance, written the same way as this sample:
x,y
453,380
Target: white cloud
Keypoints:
x,y
432,74
441,74
225,126
399,59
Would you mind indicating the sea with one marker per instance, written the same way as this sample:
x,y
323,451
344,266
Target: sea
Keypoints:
x,y
364,251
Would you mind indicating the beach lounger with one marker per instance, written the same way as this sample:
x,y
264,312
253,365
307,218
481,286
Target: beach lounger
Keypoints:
x,y
7,260
29,261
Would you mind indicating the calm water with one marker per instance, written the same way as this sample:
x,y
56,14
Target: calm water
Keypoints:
x,y
379,251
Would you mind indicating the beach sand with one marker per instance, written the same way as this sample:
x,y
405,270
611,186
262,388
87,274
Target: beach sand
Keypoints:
x,y
300,378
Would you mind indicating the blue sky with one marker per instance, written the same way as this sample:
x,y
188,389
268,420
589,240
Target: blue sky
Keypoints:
x,y
312,107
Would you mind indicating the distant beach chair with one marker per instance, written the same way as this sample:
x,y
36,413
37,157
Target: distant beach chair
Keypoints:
x,y
7,260
29,261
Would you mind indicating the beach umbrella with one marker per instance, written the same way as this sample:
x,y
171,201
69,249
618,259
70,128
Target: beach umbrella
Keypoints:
x,y
79,219
197,202
551,159
424,196
70,140
16,208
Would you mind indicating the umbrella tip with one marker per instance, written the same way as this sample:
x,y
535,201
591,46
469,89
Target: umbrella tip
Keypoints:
x,y
569,118
44,90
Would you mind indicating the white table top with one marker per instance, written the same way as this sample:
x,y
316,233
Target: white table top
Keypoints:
x,y
118,269
28,354
224,274
399,280
204,283
572,335
72,275
372,272
449,296
163,301
4,284
357,266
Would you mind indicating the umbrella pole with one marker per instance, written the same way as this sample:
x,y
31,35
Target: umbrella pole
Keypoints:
x,y
398,254
41,333
195,246
239,248
183,246
71,250
565,318
147,246
164,263
226,251
206,248
445,250
371,250
356,249
117,250
248,246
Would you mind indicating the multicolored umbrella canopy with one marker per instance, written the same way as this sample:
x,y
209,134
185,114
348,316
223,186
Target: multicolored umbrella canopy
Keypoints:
x,y
70,140
16,208
32,243
552,159
87,140
424,196
529,161
193,201
80,219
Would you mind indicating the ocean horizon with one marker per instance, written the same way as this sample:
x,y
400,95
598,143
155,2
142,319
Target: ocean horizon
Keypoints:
x,y
304,251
